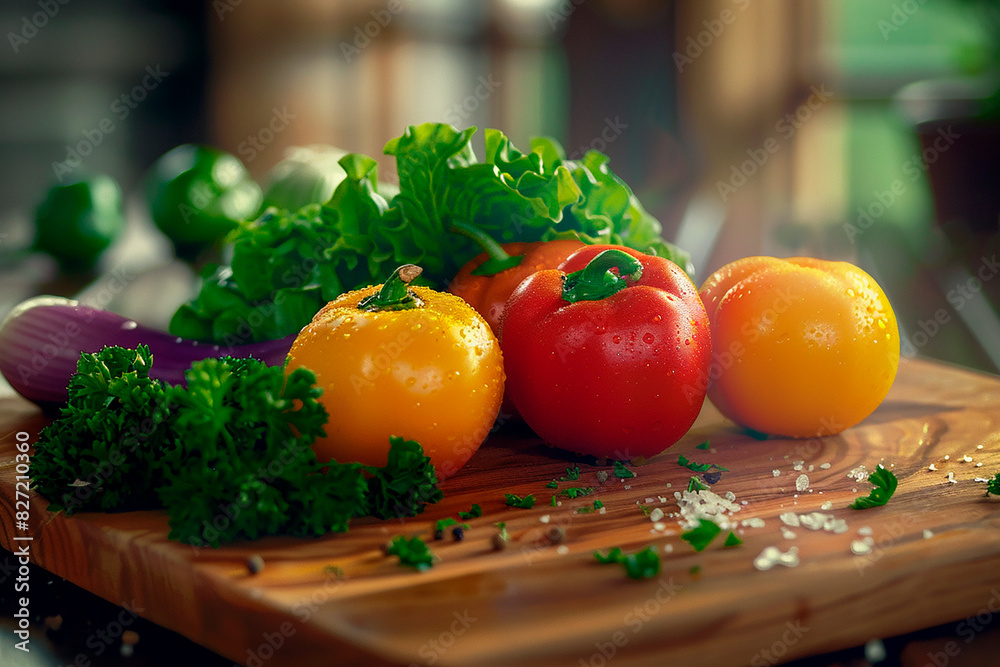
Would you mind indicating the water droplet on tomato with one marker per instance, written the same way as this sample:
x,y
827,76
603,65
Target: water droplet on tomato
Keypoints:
x,y
657,318
687,341
616,339
648,338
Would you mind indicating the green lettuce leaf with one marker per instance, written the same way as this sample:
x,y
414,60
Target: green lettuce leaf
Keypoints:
x,y
286,265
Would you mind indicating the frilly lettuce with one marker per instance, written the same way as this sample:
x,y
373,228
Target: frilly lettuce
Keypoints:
x,y
286,265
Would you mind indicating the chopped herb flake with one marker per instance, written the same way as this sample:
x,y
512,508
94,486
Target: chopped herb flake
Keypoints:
x,y
683,461
552,485
643,564
412,552
701,536
704,445
444,523
621,472
514,500
613,555
571,474
732,540
696,485
474,512
756,435
993,486
885,485
577,491
586,510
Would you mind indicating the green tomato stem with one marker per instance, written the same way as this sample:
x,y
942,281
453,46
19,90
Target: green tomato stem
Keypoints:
x,y
395,293
498,259
597,281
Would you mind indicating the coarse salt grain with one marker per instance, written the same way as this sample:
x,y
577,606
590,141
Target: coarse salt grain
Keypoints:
x,y
859,474
928,534
860,548
776,473
802,482
544,518
787,533
772,556
656,515
932,467
951,478
562,550
753,522
704,504
789,519
824,466
828,505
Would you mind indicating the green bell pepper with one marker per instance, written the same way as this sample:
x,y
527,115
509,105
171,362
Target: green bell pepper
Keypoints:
x,y
198,194
76,222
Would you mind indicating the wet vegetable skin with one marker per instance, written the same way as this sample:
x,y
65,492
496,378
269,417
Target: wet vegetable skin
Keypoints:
x,y
802,347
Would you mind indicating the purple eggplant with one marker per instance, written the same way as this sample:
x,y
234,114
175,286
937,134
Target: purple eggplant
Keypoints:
x,y
42,338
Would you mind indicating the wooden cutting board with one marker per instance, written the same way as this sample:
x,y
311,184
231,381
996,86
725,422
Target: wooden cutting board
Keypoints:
x,y
339,599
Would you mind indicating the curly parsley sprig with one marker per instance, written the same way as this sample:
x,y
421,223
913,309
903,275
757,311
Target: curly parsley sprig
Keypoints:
x,y
228,455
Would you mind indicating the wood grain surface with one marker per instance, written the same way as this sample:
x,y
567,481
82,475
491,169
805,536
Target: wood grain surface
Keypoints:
x,y
340,600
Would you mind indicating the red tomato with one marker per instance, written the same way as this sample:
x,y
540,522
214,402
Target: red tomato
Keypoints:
x,y
615,373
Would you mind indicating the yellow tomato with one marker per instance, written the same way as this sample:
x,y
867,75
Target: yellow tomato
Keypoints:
x,y
430,371
801,347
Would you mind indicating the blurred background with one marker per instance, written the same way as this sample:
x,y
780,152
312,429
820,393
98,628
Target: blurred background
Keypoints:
x,y
863,130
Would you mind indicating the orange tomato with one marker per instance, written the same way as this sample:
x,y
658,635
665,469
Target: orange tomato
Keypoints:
x,y
488,294
801,347
431,371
